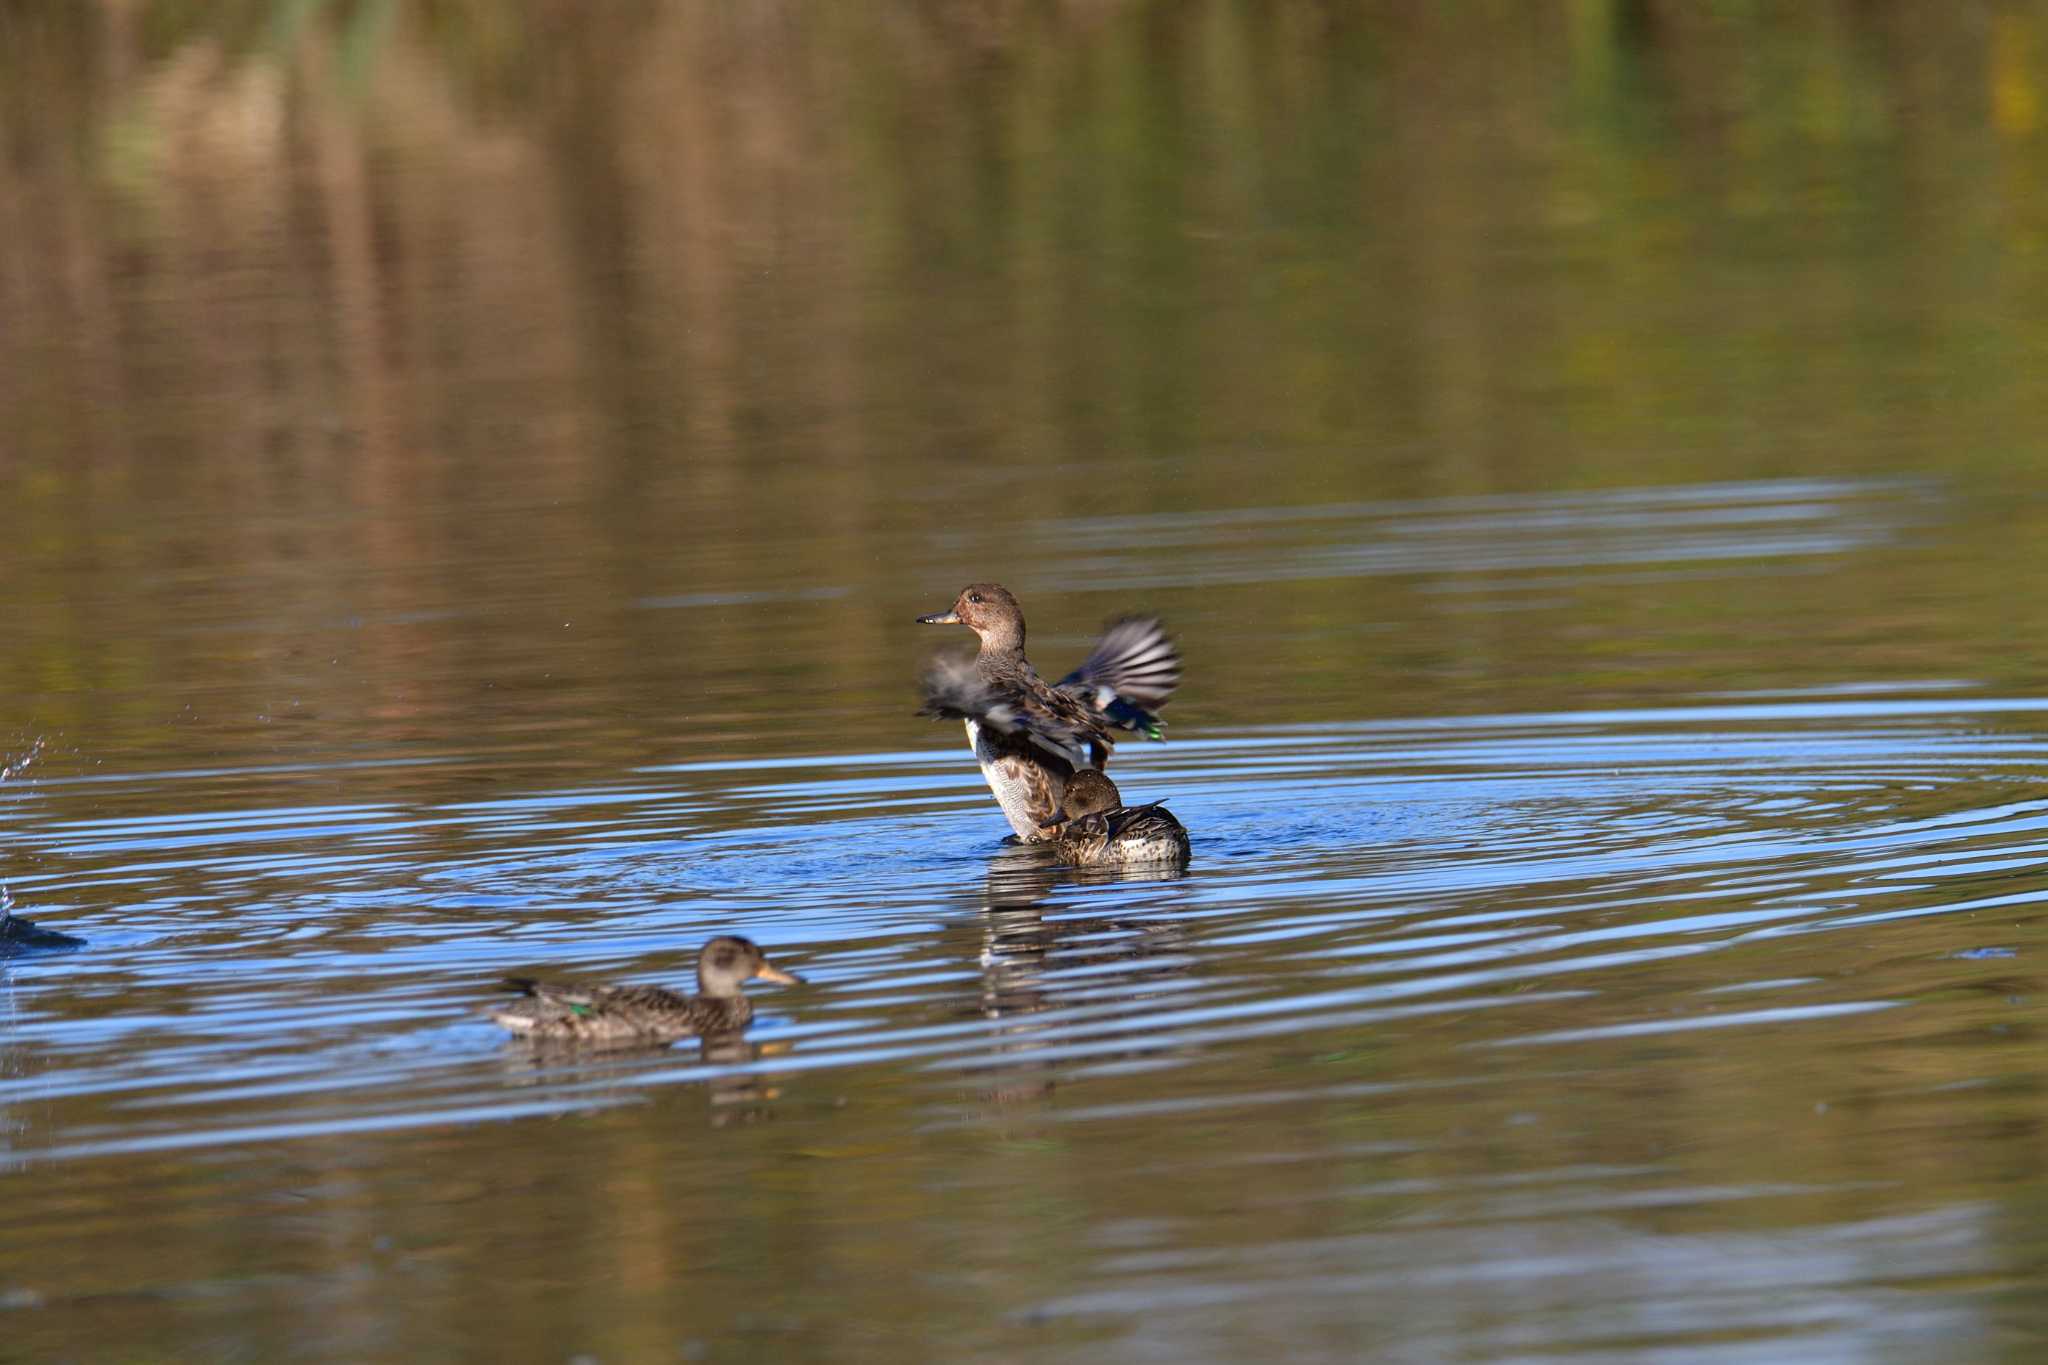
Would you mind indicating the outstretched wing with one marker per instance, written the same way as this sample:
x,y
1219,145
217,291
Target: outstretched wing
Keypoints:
x,y
955,690
1130,673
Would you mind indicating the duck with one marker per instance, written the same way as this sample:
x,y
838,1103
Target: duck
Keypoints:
x,y
573,1012
1030,736
1097,829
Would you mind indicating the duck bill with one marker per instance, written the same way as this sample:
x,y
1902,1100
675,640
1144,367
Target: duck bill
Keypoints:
x,y
940,618
768,971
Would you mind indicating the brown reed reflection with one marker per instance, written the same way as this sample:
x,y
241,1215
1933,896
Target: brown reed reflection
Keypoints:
x,y
344,316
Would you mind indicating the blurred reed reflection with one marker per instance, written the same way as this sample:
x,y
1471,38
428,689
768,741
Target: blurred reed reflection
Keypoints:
x,y
367,364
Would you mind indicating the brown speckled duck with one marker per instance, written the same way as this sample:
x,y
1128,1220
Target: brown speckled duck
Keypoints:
x,y
572,1012
1031,736
1099,830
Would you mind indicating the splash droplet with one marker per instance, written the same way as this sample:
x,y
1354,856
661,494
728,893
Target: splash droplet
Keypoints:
x,y
16,767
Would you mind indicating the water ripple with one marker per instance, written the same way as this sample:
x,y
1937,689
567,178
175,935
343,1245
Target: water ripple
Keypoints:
x,y
324,966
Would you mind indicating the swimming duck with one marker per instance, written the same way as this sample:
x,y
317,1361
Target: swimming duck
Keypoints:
x,y
572,1012
1099,830
1031,736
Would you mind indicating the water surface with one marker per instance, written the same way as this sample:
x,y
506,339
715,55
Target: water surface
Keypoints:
x,y
471,475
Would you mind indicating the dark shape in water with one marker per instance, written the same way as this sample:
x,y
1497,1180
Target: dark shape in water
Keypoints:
x,y
600,1016
1028,735
19,935
1099,830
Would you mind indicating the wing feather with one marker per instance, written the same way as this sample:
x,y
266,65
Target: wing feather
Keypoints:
x,y
1132,670
1135,658
1035,714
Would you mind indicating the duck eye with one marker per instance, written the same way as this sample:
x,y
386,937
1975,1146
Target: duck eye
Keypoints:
x,y
974,597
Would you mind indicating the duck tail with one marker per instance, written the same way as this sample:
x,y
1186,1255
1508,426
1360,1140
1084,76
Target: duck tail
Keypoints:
x,y
1130,716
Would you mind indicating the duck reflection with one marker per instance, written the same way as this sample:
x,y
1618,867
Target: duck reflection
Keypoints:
x,y
618,1073
1040,951
738,1096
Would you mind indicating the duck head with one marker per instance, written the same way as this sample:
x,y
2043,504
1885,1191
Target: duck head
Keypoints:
x,y
989,611
1088,793
729,960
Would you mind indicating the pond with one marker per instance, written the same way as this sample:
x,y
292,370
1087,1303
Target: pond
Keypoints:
x,y
472,472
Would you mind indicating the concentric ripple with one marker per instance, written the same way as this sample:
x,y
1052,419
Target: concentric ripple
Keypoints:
x,y
1539,877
